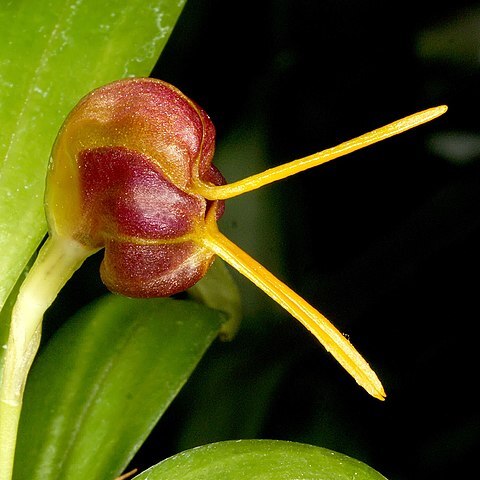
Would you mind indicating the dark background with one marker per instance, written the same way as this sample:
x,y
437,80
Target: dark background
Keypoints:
x,y
384,241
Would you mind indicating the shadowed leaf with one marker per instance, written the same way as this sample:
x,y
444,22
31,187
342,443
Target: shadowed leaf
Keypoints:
x,y
103,381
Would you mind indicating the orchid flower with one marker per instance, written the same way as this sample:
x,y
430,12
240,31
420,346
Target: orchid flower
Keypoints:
x,y
131,172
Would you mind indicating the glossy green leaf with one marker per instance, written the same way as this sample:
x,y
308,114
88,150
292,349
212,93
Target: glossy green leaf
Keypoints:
x,y
52,53
102,382
260,460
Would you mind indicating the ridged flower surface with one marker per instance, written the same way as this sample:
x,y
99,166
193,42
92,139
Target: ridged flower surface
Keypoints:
x,y
127,158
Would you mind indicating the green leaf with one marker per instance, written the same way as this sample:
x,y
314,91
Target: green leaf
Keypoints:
x,y
103,381
260,460
52,53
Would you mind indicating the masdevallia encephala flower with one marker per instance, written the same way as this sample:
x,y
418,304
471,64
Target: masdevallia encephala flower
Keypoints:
x,y
131,172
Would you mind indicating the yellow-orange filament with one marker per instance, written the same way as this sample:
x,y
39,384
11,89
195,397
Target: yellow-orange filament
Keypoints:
x,y
314,321
253,182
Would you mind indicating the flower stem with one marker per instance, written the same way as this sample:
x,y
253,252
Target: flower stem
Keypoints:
x,y
57,260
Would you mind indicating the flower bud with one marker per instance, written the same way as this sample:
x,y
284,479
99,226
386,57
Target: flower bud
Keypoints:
x,y
122,176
